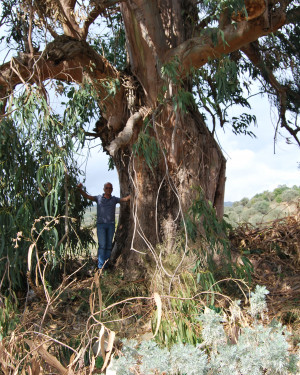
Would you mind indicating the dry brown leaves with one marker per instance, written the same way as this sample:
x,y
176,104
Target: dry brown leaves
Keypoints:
x,y
275,255
68,334
279,236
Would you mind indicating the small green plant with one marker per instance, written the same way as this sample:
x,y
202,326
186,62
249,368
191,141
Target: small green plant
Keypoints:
x,y
178,320
8,316
215,249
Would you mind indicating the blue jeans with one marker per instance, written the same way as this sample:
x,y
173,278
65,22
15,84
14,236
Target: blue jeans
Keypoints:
x,y
105,233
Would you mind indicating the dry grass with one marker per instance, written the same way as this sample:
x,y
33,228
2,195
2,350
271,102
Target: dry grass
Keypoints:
x,y
59,335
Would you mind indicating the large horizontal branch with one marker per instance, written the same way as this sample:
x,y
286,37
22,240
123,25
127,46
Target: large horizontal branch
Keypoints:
x,y
196,52
66,59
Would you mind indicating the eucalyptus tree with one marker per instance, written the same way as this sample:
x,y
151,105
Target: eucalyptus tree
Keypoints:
x,y
158,71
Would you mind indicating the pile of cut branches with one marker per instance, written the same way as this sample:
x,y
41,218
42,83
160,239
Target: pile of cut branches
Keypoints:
x,y
281,236
274,251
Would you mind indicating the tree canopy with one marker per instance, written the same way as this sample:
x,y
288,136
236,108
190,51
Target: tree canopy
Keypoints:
x,y
150,73
265,34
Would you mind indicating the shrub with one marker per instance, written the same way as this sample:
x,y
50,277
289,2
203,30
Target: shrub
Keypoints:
x,y
247,213
239,209
260,349
262,207
289,195
274,214
256,219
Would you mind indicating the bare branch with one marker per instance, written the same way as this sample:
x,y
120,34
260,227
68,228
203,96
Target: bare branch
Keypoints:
x,y
70,26
100,7
252,52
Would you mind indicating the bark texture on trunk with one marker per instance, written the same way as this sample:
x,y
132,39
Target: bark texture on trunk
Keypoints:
x,y
188,156
184,155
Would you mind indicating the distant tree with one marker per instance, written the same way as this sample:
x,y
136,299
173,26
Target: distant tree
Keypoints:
x,y
289,195
267,196
261,206
244,201
278,191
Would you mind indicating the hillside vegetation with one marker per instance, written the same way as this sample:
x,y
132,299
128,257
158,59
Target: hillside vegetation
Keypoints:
x,y
264,207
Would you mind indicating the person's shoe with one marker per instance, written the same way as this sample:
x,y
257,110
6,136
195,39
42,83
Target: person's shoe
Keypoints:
x,y
108,265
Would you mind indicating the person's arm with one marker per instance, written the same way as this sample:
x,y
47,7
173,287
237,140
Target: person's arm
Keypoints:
x,y
125,199
84,194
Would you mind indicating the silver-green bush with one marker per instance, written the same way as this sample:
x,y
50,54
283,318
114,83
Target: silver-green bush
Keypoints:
x,y
261,349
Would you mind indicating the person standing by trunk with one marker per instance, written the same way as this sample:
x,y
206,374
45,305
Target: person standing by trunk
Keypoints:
x,y
106,209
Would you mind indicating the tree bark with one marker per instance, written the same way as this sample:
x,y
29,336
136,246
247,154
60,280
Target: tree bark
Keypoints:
x,y
188,156
185,156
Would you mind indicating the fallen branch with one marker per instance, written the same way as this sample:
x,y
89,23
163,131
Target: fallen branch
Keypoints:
x,y
47,357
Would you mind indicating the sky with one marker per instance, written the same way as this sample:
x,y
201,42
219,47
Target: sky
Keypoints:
x,y
252,165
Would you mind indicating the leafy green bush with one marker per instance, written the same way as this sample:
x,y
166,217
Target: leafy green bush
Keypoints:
x,y
289,195
259,349
262,207
38,182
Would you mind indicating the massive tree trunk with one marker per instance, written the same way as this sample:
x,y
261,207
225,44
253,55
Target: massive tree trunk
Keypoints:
x,y
160,144
188,157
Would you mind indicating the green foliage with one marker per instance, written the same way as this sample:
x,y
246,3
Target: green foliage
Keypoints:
x,y
147,147
262,207
182,98
112,43
216,7
259,348
8,316
244,201
39,177
218,87
241,124
178,322
290,195
226,80
203,223
81,106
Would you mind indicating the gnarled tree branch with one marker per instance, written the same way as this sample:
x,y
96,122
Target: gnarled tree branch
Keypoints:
x,y
70,60
196,52
125,135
